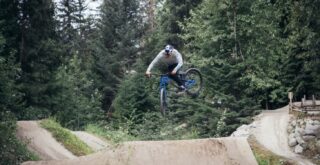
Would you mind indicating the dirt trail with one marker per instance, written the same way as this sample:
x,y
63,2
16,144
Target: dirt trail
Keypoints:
x,y
222,151
271,132
92,141
41,142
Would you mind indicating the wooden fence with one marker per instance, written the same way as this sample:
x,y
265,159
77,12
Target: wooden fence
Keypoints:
x,y
305,105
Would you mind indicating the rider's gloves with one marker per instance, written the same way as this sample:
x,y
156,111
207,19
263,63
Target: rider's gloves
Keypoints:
x,y
148,74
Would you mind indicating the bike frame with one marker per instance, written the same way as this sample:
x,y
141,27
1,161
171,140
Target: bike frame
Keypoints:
x,y
189,83
165,79
164,82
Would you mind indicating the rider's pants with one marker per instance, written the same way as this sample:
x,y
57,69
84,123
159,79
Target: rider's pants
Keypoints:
x,y
175,77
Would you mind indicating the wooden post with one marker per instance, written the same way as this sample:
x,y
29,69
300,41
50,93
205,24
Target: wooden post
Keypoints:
x,y
313,101
290,96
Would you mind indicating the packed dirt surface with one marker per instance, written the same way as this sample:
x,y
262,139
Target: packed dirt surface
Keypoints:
x,y
221,151
271,132
269,129
41,142
92,141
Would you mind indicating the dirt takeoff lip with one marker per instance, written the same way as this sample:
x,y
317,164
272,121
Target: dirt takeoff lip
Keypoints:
x,y
41,142
219,151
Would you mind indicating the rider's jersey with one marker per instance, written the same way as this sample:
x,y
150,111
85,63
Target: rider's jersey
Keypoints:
x,y
174,58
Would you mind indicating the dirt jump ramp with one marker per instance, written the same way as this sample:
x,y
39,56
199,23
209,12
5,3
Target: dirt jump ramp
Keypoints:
x,y
220,151
41,142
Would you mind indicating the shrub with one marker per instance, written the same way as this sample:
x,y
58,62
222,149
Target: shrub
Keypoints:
x,y
12,151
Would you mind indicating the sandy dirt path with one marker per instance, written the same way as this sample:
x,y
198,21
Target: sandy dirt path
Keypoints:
x,y
41,142
222,151
92,141
271,132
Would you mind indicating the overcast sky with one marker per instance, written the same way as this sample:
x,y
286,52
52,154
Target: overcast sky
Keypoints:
x,y
92,5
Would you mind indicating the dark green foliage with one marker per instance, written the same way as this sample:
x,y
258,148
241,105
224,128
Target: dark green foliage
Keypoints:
x,y
9,27
137,107
37,81
301,63
75,30
120,31
172,13
231,48
134,98
77,102
9,94
12,151
29,27
196,113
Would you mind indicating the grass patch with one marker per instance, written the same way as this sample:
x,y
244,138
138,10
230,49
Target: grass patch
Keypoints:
x,y
22,147
266,157
113,136
14,151
64,136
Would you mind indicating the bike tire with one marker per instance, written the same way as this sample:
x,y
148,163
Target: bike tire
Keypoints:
x,y
163,101
194,74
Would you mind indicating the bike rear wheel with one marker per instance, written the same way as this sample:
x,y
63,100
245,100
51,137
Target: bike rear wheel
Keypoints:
x,y
163,101
193,81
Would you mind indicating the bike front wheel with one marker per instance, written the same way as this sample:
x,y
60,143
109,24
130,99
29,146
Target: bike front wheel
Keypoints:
x,y
163,101
193,81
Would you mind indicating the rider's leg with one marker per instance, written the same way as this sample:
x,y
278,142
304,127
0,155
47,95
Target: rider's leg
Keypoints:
x,y
175,77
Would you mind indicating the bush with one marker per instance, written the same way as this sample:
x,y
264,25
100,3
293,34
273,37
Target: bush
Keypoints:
x,y
12,151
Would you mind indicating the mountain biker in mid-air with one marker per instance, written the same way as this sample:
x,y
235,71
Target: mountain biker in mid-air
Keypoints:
x,y
173,59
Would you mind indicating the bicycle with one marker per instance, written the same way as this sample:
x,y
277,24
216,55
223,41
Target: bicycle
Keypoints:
x,y
192,80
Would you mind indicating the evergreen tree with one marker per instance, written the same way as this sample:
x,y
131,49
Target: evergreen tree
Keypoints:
x,y
77,103
67,20
134,98
171,14
11,150
121,28
196,113
235,44
10,27
38,55
301,64
76,29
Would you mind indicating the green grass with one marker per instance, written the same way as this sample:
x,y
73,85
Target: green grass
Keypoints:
x,y
27,153
64,136
112,136
266,157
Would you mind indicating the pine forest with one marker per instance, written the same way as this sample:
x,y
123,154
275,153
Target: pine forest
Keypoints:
x,y
87,69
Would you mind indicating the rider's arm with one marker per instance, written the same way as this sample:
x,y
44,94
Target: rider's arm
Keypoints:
x,y
180,61
154,61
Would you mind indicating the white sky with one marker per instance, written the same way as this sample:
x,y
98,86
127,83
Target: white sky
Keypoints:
x,y
92,6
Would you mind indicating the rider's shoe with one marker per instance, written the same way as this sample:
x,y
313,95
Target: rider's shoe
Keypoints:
x,y
182,89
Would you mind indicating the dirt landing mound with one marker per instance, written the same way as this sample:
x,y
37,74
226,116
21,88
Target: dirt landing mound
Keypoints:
x,y
271,132
41,141
222,151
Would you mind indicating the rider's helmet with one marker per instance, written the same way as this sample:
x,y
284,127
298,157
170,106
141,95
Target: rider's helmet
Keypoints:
x,y
168,49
